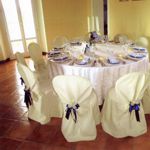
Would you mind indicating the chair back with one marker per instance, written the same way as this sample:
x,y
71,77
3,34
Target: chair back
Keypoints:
x,y
60,42
131,87
120,38
142,41
35,52
20,58
27,75
70,89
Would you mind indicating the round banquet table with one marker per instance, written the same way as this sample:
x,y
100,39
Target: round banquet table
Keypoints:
x,y
101,78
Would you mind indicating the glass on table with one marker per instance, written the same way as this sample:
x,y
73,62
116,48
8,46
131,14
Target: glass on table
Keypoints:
x,y
104,38
122,57
102,60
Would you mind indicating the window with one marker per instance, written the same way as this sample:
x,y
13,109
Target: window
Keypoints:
x,y
20,23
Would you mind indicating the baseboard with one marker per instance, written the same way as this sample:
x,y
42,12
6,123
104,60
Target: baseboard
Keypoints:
x,y
3,61
44,53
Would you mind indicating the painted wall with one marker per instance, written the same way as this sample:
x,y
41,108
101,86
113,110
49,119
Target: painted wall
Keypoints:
x,y
66,18
131,18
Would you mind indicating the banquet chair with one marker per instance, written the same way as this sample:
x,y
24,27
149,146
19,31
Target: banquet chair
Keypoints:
x,y
60,42
121,38
20,58
40,98
40,65
81,112
142,41
146,100
122,113
35,52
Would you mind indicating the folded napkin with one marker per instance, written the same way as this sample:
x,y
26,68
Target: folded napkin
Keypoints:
x,y
113,60
137,55
84,61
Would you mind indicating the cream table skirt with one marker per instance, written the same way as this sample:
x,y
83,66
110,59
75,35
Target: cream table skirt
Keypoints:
x,y
101,78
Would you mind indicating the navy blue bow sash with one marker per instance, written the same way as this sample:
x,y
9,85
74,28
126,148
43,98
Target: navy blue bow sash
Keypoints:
x,y
27,98
22,81
69,111
135,107
27,94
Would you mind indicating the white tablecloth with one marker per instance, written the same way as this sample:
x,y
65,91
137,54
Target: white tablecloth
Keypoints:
x,y
102,78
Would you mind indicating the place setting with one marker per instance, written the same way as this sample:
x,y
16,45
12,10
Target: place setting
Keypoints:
x,y
135,56
83,61
53,53
136,53
139,49
59,57
132,54
120,59
108,61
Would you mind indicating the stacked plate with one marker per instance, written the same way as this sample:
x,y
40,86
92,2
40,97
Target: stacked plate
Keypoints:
x,y
57,55
113,60
60,58
142,49
83,62
137,55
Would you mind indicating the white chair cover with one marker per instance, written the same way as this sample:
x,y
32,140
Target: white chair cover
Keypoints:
x,y
20,58
142,41
40,65
45,103
146,101
60,42
116,118
121,38
35,52
74,91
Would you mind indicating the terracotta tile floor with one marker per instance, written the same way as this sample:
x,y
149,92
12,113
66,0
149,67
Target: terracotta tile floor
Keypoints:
x,y
19,133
